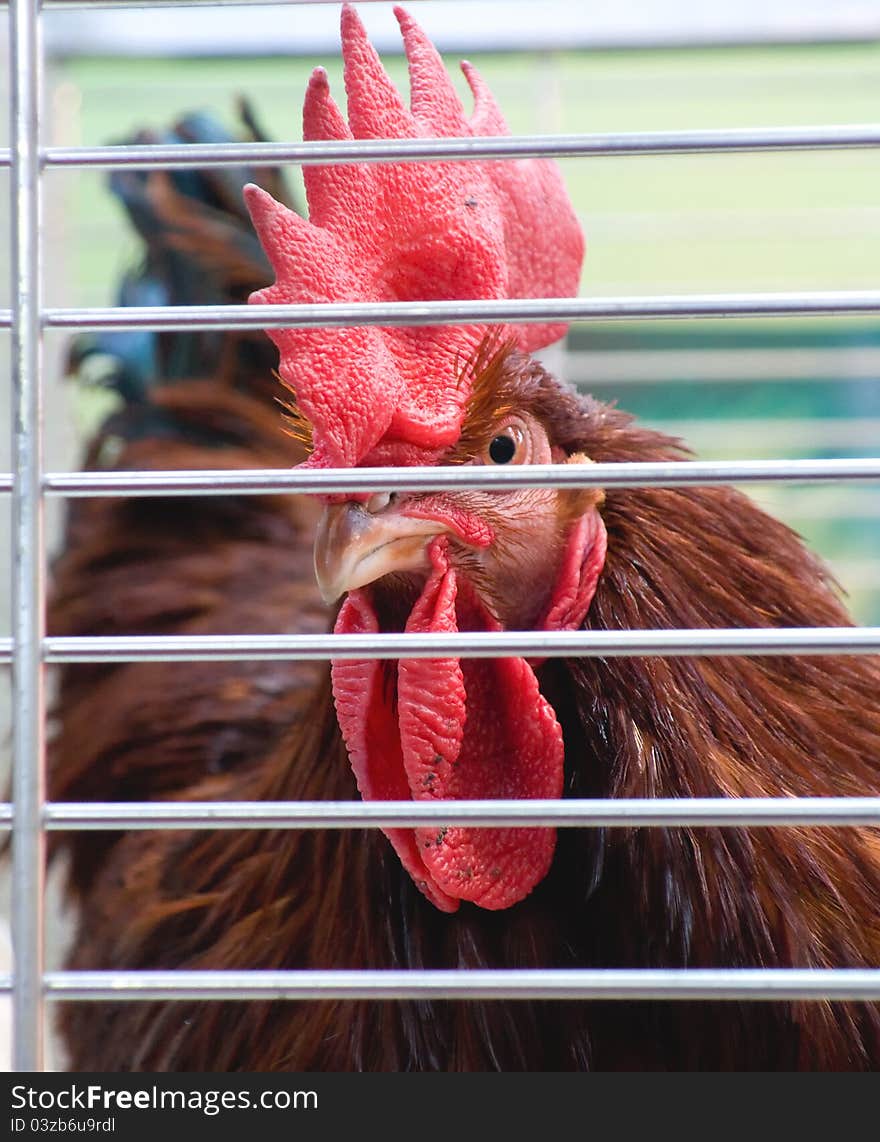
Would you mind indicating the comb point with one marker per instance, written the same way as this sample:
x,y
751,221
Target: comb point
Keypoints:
x,y
318,78
274,224
322,119
433,97
258,200
375,107
487,118
266,214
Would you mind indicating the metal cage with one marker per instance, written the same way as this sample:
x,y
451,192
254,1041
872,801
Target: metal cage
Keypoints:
x,y
29,815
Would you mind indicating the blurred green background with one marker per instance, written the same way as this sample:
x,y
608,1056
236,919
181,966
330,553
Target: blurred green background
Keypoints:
x,y
700,223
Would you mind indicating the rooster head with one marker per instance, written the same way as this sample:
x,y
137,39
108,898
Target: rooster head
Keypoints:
x,y
470,560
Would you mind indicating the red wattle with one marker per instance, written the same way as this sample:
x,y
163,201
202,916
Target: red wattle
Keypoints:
x,y
472,729
476,729
457,731
582,563
372,738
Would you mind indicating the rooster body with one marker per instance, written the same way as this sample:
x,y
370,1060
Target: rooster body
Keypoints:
x,y
676,897
619,727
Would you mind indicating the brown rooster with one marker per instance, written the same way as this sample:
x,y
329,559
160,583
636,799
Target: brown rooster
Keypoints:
x,y
423,729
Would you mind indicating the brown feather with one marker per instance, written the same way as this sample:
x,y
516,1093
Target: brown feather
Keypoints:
x,y
672,897
185,565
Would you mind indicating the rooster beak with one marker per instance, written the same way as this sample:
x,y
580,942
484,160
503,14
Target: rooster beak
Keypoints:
x,y
355,546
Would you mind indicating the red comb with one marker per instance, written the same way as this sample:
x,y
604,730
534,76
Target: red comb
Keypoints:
x,y
407,232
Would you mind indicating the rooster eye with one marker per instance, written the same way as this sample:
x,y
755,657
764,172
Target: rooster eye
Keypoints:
x,y
515,440
502,449
509,446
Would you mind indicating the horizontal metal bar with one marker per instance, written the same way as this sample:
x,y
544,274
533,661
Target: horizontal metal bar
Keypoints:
x,y
719,983
473,644
99,5
198,155
414,313
105,5
265,481
720,642
810,27
329,481
620,813
63,816
661,307
201,155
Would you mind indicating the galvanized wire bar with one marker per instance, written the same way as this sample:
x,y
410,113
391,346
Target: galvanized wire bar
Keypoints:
x,y
717,983
98,5
28,586
265,481
718,642
735,140
412,313
620,813
660,307
101,816
340,480
473,644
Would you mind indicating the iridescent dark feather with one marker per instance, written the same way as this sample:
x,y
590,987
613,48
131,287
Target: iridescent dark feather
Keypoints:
x,y
211,564
199,249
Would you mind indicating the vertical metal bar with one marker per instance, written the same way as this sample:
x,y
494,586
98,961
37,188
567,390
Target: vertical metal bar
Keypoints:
x,y
28,589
